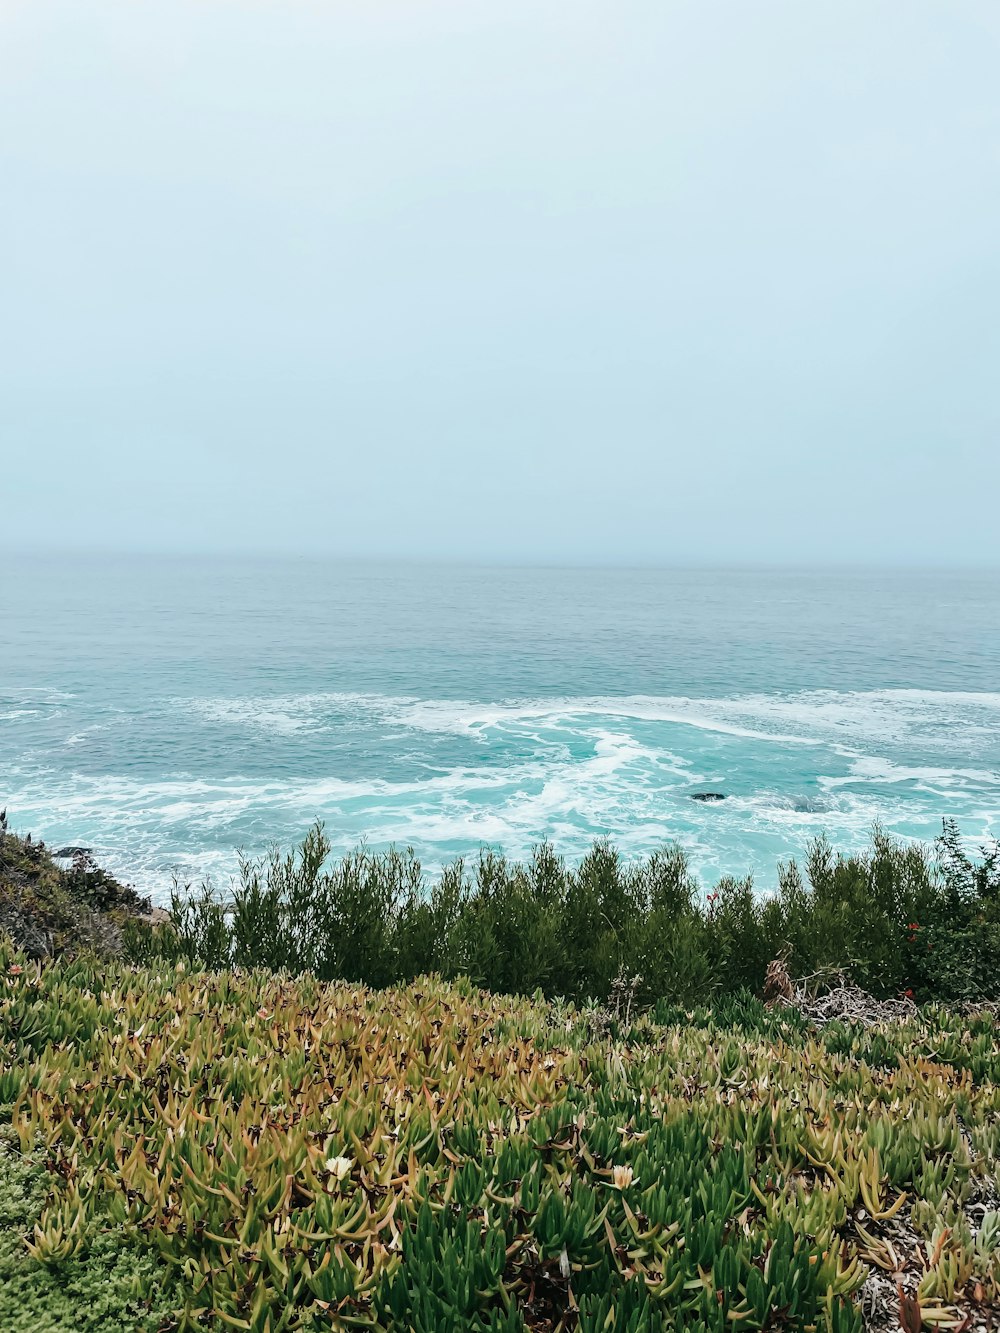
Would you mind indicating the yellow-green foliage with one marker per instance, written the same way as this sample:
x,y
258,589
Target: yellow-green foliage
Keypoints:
x,y
304,1156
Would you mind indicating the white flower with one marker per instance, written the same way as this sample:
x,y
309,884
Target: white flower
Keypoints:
x,y
621,1177
340,1167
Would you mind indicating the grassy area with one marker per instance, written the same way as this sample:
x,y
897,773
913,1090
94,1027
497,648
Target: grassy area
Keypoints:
x,y
245,1150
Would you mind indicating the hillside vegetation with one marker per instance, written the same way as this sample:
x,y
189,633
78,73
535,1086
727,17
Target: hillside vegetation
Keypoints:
x,y
248,1151
47,908
219,1122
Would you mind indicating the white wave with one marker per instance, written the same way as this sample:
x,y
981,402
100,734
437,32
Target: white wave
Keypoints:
x,y
195,833
804,718
475,719
288,713
259,713
81,737
467,718
808,718
47,693
878,769
569,769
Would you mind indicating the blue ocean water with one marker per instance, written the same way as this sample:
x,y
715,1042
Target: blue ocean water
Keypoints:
x,y
168,711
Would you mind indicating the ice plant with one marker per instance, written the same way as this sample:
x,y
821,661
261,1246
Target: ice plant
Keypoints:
x,y
434,1157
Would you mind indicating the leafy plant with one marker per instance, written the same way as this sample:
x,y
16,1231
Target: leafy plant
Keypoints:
x,y
893,918
259,1152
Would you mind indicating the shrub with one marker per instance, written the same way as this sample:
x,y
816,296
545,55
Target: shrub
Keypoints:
x,y
894,918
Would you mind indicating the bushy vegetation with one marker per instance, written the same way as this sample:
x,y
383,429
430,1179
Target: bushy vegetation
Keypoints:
x,y
263,1153
897,919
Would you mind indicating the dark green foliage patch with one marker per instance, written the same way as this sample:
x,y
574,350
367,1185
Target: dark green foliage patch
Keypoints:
x,y
897,919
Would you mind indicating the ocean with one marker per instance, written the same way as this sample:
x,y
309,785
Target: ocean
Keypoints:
x,y
166,712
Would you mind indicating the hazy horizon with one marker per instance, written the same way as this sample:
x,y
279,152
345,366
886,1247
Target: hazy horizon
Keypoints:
x,y
658,285
211,556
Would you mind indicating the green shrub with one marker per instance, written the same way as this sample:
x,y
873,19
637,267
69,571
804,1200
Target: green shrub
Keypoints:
x,y
895,918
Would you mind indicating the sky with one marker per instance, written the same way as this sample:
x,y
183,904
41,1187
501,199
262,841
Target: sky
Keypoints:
x,y
555,280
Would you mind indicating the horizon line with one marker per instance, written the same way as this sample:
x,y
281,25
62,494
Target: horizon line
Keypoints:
x,y
496,561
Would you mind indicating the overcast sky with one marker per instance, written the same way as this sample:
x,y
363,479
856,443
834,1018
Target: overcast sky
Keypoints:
x,y
518,279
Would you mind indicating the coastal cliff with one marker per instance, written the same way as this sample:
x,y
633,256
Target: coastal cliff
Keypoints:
x,y
60,901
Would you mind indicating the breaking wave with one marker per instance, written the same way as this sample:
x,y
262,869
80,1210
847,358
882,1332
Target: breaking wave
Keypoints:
x,y
446,776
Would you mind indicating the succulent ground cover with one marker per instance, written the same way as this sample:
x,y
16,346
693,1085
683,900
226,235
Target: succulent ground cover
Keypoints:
x,y
242,1150
108,1285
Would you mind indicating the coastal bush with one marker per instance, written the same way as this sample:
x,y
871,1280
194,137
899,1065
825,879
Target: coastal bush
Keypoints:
x,y
266,1154
896,919
954,949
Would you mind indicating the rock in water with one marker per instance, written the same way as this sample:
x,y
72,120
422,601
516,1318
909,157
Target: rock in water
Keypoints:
x,y
708,796
73,851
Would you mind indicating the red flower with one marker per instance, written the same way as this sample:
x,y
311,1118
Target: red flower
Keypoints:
x,y
908,993
15,969
914,925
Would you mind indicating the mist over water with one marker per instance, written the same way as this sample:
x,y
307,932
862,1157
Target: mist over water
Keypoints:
x,y
166,712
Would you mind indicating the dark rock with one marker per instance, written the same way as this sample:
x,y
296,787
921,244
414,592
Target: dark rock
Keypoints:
x,y
72,851
708,796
